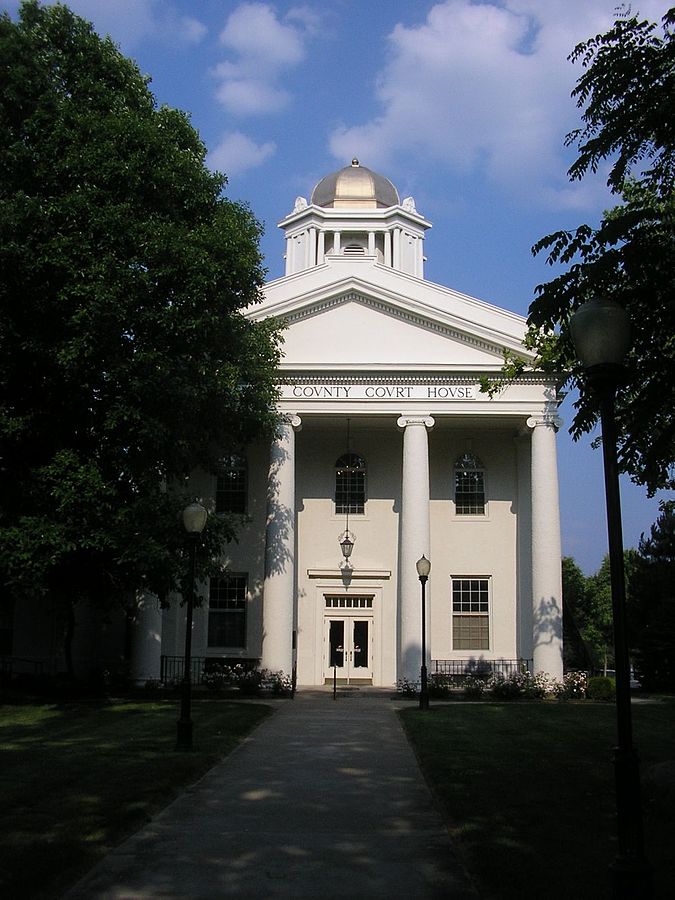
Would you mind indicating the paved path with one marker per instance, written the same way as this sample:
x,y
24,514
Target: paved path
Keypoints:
x,y
325,799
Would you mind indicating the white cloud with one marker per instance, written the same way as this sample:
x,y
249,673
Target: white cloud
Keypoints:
x,y
129,22
484,88
249,95
263,48
236,153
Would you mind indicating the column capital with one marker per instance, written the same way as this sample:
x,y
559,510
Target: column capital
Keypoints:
x,y
550,419
292,419
405,420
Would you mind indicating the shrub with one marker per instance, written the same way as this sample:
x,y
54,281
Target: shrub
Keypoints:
x,y
439,686
600,687
407,688
572,687
474,687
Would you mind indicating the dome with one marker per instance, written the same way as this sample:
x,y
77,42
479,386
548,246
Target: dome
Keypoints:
x,y
355,187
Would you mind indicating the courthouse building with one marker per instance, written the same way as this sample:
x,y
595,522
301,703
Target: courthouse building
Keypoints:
x,y
388,441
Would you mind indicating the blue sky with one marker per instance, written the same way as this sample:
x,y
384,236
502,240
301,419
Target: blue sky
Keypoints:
x,y
464,104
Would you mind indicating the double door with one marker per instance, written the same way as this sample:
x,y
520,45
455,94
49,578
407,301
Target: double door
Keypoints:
x,y
348,648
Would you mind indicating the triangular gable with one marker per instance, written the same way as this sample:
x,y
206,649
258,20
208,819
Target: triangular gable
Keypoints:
x,y
357,330
374,315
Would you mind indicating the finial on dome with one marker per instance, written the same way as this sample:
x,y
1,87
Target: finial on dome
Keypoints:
x,y
355,162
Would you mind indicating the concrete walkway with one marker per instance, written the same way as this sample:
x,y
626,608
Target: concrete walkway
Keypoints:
x,y
325,799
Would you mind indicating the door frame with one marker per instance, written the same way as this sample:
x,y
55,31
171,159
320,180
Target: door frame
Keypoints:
x,y
313,614
348,673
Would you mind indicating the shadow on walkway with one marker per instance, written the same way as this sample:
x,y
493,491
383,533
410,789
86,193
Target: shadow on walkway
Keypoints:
x,y
325,799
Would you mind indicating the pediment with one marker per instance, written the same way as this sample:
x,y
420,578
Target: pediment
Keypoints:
x,y
358,314
358,330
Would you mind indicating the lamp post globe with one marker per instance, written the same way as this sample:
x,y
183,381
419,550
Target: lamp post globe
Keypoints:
x,y
423,568
601,335
194,520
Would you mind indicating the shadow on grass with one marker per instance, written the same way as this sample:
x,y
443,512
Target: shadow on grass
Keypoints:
x,y
527,792
77,779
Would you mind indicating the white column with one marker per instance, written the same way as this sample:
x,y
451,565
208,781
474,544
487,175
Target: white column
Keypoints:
x,y
336,243
371,243
289,255
414,541
320,253
397,249
311,247
146,641
279,586
387,248
546,548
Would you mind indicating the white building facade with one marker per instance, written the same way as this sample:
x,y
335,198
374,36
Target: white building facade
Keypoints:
x,y
388,439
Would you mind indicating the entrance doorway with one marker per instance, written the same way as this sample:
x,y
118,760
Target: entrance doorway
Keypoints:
x,y
348,649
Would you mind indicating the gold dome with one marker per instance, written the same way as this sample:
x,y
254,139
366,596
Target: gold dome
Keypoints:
x,y
355,187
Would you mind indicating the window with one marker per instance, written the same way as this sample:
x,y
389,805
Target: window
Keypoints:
x,y
469,486
227,611
470,614
232,485
350,484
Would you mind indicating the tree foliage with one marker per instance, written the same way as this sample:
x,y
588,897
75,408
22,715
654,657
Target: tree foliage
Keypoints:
x,y
652,605
125,360
627,94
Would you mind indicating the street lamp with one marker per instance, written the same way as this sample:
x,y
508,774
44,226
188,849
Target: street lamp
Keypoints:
x,y
601,336
194,520
423,569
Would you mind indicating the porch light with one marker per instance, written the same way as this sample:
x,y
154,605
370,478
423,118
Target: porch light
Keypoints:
x,y
347,544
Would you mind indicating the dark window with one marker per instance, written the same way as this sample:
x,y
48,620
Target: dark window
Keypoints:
x,y
469,486
470,614
227,611
232,486
350,484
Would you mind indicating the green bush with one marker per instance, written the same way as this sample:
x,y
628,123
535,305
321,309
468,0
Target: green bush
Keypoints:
x,y
600,687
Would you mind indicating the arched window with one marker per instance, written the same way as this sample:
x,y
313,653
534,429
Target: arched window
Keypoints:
x,y
469,486
232,485
350,484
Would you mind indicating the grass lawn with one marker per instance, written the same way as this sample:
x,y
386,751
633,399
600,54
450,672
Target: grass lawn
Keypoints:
x,y
527,790
76,779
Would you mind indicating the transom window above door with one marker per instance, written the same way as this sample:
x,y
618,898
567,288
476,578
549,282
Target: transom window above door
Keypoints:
x,y
350,484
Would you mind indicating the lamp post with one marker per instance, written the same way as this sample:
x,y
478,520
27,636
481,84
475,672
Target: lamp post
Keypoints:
x,y
194,520
601,337
423,569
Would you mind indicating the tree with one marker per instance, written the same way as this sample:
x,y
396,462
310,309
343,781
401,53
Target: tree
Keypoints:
x,y
627,94
125,360
577,654
652,606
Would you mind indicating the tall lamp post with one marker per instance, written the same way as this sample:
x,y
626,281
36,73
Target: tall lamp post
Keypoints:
x,y
423,569
601,336
194,520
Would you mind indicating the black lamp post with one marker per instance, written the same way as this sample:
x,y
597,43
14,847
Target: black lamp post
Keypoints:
x,y
194,520
601,336
423,569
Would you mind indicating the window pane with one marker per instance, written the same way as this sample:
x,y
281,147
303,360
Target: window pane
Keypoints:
x,y
350,484
227,611
232,486
469,486
470,633
470,621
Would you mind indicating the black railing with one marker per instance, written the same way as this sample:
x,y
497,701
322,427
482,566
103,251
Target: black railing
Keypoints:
x,y
172,668
11,666
480,668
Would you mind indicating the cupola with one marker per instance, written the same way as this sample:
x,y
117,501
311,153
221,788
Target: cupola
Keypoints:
x,y
355,216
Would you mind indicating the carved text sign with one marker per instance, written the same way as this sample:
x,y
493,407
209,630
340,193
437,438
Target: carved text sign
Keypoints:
x,y
378,391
